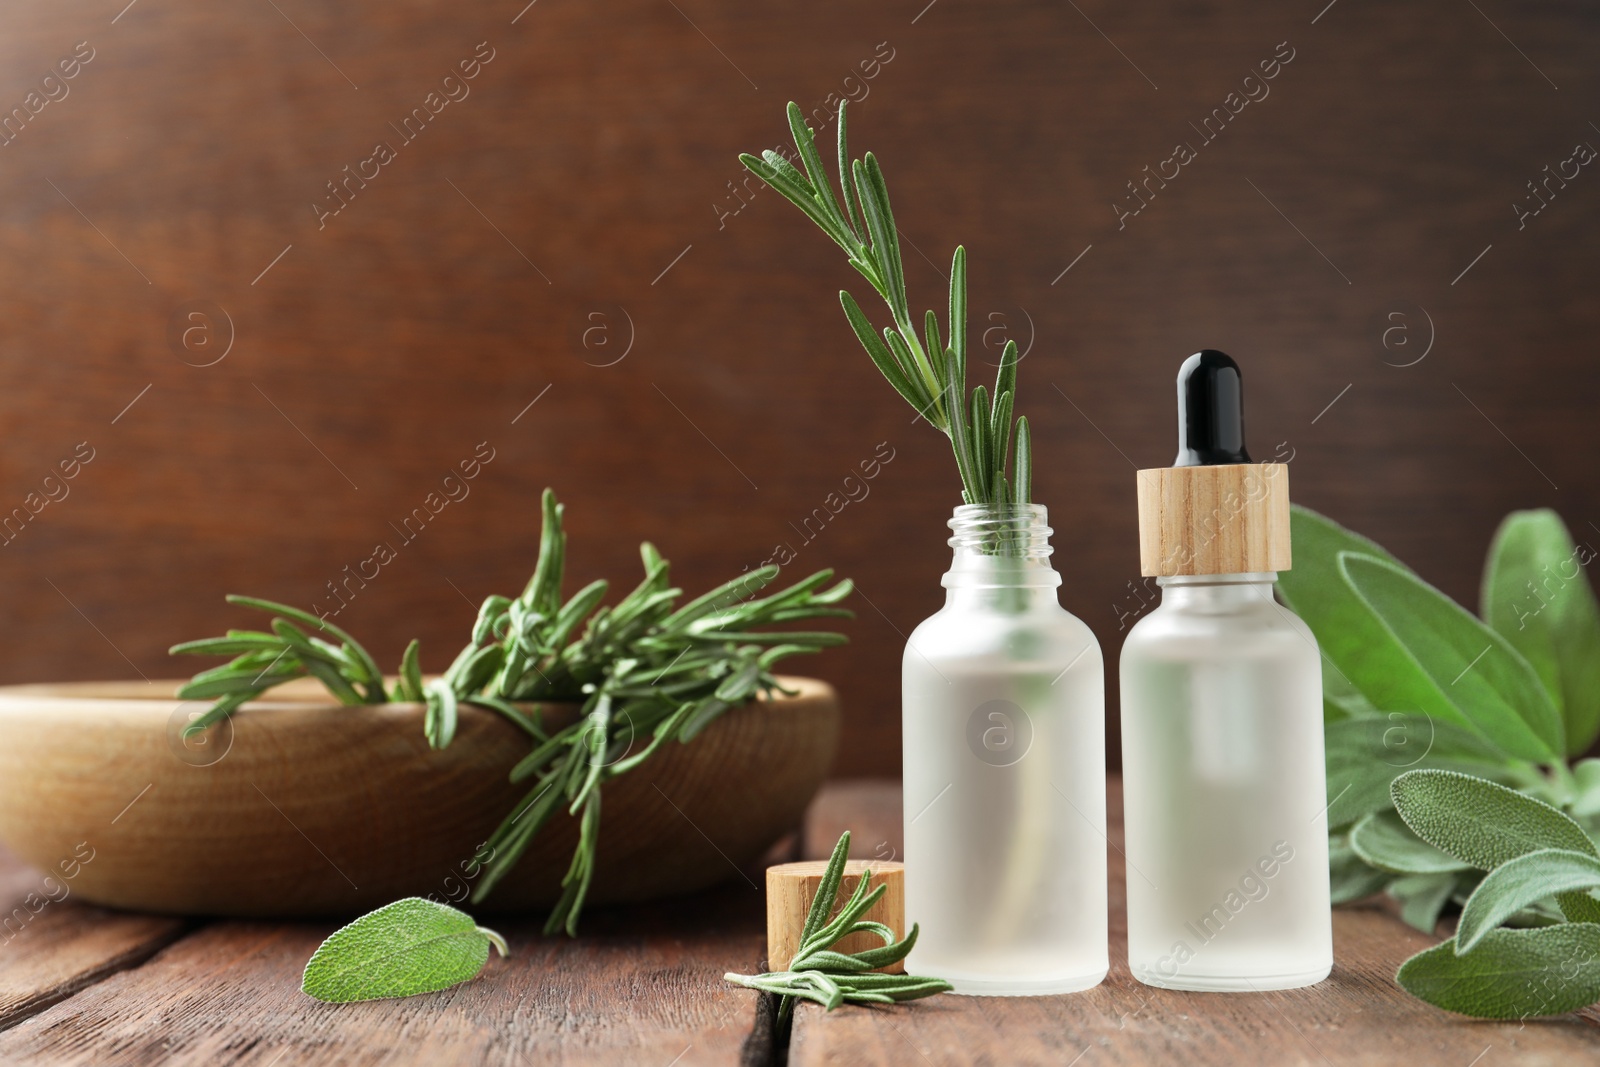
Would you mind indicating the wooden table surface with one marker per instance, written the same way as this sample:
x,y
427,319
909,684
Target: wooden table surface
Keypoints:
x,y
83,985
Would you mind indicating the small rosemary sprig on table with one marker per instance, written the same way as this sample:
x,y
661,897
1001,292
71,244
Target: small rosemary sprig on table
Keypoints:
x,y
931,375
831,978
643,668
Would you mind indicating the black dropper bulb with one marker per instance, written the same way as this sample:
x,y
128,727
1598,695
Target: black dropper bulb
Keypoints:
x,y
1210,411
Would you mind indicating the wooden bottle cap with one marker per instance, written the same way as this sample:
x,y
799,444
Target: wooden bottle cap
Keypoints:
x,y
1223,519
791,887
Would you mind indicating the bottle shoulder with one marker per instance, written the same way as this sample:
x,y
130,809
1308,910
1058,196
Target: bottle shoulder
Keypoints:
x,y
1047,632
1248,630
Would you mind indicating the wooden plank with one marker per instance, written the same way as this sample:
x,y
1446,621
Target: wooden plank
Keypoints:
x,y
51,946
642,985
1358,1016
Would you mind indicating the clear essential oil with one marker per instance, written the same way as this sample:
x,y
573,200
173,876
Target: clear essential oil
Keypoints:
x,y
1223,783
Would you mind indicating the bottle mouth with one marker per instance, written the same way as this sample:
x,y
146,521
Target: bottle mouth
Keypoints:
x,y
1016,531
1241,578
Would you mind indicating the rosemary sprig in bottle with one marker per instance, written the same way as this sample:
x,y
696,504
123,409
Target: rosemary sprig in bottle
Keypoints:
x,y
642,668
930,374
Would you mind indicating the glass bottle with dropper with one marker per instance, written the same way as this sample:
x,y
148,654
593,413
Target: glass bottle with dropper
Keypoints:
x,y
1222,754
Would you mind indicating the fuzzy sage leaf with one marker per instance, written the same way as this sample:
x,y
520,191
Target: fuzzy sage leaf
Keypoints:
x,y
1384,842
411,946
1511,974
1482,823
1463,728
1520,882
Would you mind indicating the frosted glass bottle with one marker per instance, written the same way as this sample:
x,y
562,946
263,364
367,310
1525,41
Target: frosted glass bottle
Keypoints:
x,y
1004,768
1223,786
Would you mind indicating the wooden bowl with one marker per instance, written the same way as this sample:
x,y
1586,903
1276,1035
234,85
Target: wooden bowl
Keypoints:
x,y
306,807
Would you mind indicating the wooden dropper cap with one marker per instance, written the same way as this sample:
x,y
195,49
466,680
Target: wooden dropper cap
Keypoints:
x,y
1213,511
791,887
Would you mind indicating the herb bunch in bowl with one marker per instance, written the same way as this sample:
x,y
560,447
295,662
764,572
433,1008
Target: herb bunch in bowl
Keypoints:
x,y
644,667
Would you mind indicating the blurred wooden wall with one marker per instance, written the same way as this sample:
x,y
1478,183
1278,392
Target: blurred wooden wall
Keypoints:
x,y
586,177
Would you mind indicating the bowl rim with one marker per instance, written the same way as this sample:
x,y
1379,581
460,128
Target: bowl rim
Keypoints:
x,y
302,694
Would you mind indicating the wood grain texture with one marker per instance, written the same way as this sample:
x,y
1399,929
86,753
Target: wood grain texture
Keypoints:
x,y
591,172
299,806
642,986
792,888
864,807
52,945
1357,1016
1229,519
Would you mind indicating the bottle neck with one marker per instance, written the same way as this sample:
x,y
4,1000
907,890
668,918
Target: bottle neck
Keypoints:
x,y
1217,593
1001,555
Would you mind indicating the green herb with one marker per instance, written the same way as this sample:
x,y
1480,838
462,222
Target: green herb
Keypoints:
x,y
820,973
1447,745
411,946
929,372
648,672
645,670
1555,625
1513,974
263,660
1522,882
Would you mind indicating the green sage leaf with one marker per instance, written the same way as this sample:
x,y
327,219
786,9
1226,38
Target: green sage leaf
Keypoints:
x,y
1342,700
1385,842
1481,822
1349,876
411,946
1586,787
1365,755
1511,974
1422,897
1519,882
1536,595
1474,669
1355,646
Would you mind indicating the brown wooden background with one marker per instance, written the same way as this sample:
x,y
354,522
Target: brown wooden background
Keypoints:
x,y
594,151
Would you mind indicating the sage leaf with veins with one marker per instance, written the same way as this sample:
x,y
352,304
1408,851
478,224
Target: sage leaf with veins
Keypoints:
x,y
644,667
1447,745
411,946
1535,594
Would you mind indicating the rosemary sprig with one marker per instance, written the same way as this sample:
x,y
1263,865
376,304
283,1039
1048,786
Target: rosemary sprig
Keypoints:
x,y
264,660
930,374
645,671
648,672
821,974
